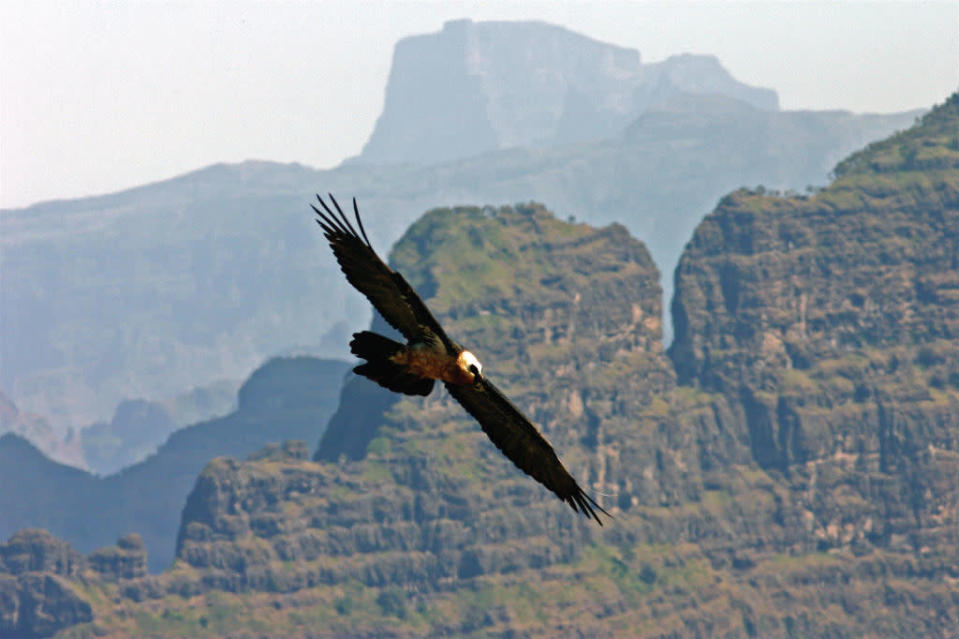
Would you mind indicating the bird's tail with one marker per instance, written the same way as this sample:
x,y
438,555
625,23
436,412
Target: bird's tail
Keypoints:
x,y
377,350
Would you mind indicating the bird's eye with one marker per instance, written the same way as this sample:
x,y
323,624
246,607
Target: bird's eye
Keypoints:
x,y
473,369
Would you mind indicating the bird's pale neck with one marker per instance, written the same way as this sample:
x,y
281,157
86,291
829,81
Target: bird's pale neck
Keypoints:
x,y
469,364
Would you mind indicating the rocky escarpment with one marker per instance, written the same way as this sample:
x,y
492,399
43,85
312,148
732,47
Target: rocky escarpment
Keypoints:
x,y
797,480
286,398
831,322
42,581
523,289
567,318
806,462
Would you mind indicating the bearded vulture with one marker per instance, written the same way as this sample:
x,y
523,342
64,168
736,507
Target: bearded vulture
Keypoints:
x,y
430,355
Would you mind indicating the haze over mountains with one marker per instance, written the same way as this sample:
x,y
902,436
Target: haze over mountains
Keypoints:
x,y
286,398
525,84
154,291
786,468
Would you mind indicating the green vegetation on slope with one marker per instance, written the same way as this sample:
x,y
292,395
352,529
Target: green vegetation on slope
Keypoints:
x,y
799,482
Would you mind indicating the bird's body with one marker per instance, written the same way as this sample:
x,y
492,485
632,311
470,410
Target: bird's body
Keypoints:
x,y
429,356
428,361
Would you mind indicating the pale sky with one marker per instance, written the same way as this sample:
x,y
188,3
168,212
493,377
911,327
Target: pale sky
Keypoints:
x,y
100,96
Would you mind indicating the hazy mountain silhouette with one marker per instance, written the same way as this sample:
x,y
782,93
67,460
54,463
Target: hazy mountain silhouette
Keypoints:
x,y
152,291
476,87
286,398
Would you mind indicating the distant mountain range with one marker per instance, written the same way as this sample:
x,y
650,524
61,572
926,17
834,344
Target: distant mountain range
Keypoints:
x,y
475,87
786,468
286,398
151,292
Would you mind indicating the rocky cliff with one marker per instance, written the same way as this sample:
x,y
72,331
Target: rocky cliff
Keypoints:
x,y
41,589
829,323
787,470
236,273
794,476
799,479
476,87
287,398
523,289
833,318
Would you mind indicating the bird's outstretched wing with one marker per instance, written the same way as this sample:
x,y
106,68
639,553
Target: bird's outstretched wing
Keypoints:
x,y
519,440
386,289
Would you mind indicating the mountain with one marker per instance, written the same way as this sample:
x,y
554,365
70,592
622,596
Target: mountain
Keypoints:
x,y
429,505
833,319
137,428
476,87
96,291
786,469
286,398
62,448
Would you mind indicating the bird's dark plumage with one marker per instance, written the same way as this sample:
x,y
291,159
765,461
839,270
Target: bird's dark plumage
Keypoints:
x,y
386,289
429,355
519,440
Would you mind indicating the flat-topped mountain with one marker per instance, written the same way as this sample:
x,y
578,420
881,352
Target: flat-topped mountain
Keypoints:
x,y
476,87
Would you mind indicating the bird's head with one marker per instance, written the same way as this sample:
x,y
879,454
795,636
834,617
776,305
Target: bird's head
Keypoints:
x,y
468,362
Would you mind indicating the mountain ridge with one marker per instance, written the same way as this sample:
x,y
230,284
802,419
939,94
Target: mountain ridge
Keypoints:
x,y
203,235
786,468
286,398
527,84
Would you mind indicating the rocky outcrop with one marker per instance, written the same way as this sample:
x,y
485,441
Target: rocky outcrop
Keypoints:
x,y
806,461
38,605
830,323
36,597
484,86
126,560
35,550
524,294
46,585
286,398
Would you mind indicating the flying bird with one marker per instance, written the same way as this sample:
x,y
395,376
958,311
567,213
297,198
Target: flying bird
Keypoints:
x,y
430,355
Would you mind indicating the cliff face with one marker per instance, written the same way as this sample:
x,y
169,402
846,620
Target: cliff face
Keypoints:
x,y
794,476
286,398
248,268
39,586
522,289
831,323
478,87
800,479
567,319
